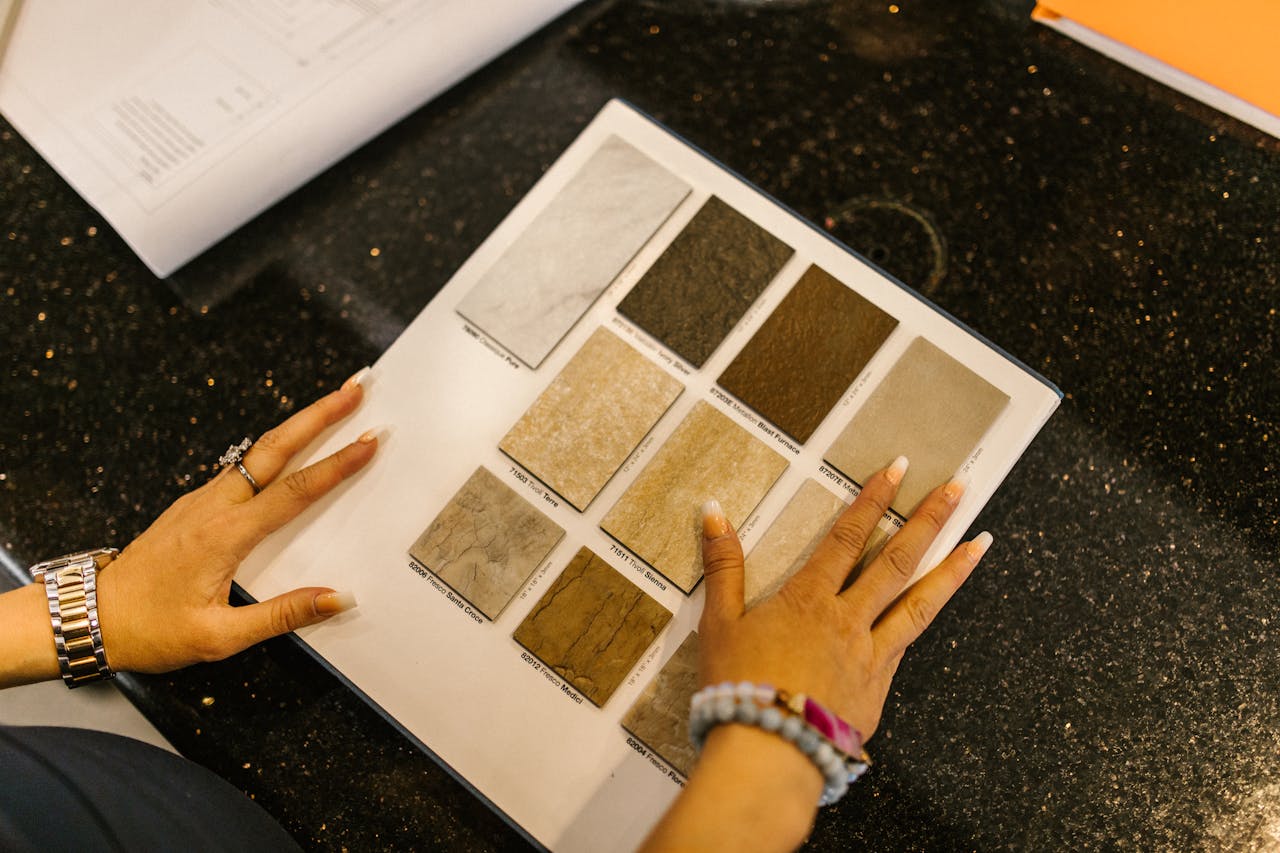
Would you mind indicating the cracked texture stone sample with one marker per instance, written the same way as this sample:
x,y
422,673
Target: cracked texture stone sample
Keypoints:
x,y
931,409
592,626
591,417
569,253
790,540
708,456
805,356
486,542
660,716
700,287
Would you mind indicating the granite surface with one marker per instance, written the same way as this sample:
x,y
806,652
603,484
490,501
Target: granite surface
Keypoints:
x,y
701,285
1106,680
706,456
576,436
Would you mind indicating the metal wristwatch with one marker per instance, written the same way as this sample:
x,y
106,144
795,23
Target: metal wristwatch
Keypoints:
x,y
71,585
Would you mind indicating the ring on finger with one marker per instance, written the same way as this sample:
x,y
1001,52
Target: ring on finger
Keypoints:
x,y
235,453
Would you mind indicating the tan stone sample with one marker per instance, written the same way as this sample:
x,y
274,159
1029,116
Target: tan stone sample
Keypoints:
x,y
591,417
592,626
931,409
486,542
708,456
790,540
660,716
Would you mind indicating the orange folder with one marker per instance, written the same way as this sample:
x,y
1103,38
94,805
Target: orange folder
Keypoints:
x,y
1230,45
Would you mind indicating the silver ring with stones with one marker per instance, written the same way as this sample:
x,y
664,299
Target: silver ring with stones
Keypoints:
x,y
234,454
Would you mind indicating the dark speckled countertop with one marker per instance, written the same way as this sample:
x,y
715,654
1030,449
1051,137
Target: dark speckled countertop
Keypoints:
x,y
1107,680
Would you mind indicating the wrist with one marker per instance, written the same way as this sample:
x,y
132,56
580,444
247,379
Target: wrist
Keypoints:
x,y
27,650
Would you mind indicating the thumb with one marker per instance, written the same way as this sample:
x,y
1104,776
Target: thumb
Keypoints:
x,y
289,611
721,565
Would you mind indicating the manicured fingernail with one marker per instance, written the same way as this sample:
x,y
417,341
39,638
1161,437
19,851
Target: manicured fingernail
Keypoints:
x,y
955,489
979,545
714,524
329,603
360,378
896,470
378,434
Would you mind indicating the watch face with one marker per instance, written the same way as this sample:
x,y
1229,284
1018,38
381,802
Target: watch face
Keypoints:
x,y
99,556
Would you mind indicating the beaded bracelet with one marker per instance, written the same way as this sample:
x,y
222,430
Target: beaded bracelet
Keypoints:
x,y
829,742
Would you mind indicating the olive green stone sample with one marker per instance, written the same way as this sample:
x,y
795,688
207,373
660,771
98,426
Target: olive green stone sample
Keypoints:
x,y
700,287
708,456
486,542
660,716
592,626
807,353
581,429
931,409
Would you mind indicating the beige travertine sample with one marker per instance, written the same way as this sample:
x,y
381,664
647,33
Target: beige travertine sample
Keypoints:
x,y
790,540
591,626
931,409
660,716
591,417
708,456
486,542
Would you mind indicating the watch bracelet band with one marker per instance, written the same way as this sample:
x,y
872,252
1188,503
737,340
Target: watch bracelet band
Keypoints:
x,y
71,589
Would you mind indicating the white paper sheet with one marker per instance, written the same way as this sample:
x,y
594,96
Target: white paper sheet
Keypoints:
x,y
179,120
560,767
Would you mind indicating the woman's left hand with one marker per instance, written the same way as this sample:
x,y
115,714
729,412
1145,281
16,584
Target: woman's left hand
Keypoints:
x,y
163,603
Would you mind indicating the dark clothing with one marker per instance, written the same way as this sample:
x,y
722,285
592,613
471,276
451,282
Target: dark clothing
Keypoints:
x,y
74,789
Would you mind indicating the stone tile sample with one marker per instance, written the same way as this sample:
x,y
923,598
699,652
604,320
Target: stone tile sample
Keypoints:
x,y
486,542
591,417
790,540
807,353
931,409
592,626
551,274
700,287
660,716
708,456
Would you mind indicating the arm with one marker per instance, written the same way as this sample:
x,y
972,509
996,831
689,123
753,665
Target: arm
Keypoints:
x,y
163,603
751,790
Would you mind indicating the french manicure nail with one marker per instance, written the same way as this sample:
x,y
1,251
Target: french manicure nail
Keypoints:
x,y
955,489
378,434
360,377
329,603
896,470
714,524
979,545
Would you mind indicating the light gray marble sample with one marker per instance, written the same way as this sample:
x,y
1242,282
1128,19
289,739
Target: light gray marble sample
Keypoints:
x,y
659,718
591,417
486,542
552,272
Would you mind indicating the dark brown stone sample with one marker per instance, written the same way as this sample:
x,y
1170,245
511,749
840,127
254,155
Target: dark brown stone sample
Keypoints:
x,y
807,353
700,287
592,626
